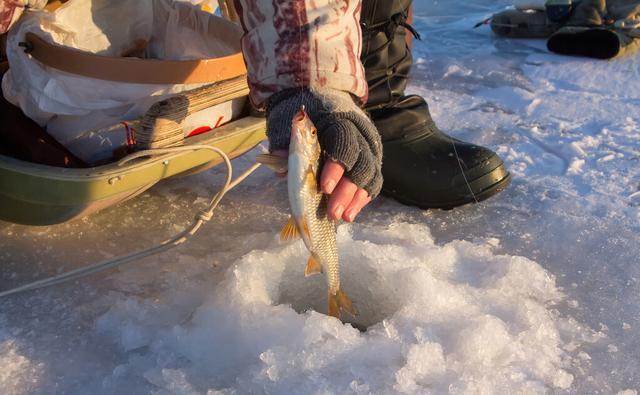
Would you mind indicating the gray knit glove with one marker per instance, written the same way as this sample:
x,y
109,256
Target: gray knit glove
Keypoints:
x,y
345,132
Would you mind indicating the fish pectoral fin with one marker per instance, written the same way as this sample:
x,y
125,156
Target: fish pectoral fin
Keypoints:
x,y
310,178
290,230
279,164
340,301
313,267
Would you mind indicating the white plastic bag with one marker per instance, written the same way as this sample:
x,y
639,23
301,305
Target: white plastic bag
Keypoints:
x,y
69,105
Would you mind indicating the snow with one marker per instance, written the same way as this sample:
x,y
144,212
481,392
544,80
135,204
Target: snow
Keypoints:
x,y
488,312
533,291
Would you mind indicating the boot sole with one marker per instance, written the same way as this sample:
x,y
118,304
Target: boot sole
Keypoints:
x,y
500,180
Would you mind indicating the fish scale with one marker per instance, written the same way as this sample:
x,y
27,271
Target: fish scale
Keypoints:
x,y
322,233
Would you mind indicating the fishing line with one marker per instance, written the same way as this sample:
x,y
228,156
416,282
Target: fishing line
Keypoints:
x,y
200,219
300,81
431,79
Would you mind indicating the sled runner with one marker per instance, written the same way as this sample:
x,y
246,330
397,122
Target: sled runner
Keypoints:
x,y
35,194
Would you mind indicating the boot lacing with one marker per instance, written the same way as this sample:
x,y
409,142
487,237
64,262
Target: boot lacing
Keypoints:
x,y
389,28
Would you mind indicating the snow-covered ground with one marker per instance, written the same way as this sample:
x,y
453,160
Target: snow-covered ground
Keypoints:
x,y
533,291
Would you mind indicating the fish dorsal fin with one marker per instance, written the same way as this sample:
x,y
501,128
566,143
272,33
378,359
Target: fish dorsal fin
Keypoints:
x,y
313,267
290,230
279,164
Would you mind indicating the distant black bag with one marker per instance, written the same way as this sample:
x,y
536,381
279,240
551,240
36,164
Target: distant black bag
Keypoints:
x,y
600,29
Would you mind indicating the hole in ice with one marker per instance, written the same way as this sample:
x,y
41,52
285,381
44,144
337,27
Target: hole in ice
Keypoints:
x,y
373,298
373,295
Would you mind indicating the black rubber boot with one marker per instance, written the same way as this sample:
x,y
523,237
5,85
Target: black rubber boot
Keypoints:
x,y
421,165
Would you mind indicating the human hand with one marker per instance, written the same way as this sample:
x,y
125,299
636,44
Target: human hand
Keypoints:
x,y
352,171
346,198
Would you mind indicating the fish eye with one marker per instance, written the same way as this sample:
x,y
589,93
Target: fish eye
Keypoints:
x,y
314,131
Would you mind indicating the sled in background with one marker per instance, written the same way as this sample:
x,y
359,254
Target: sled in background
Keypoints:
x,y
34,193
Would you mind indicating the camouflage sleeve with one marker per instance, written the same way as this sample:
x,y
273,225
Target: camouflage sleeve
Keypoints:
x,y
302,43
10,11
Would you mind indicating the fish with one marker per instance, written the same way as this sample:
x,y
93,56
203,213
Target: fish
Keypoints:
x,y
309,219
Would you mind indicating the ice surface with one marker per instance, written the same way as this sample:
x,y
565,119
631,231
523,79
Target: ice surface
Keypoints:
x,y
455,317
533,291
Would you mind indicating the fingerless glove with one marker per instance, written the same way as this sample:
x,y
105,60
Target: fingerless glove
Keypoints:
x,y
346,133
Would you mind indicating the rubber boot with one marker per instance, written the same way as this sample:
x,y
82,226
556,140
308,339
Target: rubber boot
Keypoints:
x,y
599,29
585,33
421,166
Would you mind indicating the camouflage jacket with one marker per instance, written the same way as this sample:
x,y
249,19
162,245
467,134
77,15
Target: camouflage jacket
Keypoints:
x,y
297,43
10,11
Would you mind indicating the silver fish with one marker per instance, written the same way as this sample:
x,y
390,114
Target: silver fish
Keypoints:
x,y
309,218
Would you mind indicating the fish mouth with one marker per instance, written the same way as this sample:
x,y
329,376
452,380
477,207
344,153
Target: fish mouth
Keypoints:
x,y
299,117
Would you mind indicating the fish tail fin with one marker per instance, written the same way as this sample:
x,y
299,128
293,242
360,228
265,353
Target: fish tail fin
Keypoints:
x,y
340,301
